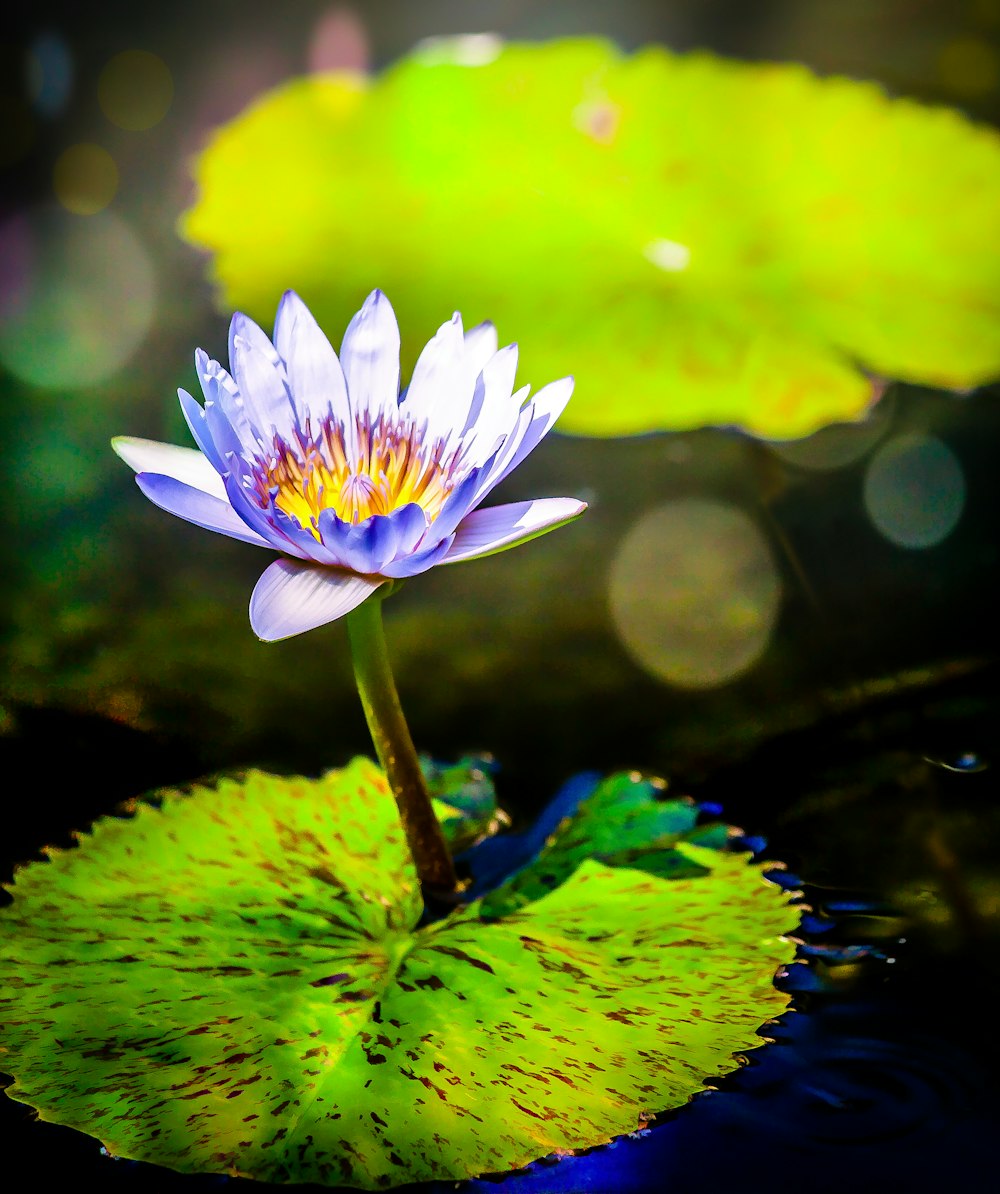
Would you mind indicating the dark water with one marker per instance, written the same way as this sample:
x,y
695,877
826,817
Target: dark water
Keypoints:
x,y
883,1075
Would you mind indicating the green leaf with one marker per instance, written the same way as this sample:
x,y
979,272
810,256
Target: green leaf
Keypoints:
x,y
464,799
698,241
624,822
234,980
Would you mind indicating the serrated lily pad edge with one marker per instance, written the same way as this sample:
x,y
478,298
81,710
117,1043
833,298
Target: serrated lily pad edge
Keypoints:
x,y
156,802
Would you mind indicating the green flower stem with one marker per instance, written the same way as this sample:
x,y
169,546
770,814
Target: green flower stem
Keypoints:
x,y
395,750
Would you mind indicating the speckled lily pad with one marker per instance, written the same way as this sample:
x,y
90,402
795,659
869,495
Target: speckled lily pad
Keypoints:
x,y
699,241
235,979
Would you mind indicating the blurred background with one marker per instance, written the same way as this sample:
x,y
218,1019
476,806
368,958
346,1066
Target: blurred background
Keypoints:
x,y
804,632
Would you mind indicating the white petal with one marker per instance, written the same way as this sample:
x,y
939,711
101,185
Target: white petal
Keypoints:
x,y
484,532
291,598
260,375
216,382
480,345
224,404
184,464
543,410
490,471
440,392
496,410
315,377
197,506
370,358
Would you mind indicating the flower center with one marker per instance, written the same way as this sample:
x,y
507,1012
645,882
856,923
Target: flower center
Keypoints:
x,y
392,467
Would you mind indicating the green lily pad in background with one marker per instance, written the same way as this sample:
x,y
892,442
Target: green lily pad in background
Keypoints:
x,y
624,822
236,980
699,241
464,799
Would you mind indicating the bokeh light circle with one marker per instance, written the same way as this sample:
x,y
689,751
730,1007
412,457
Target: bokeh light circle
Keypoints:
x,y
914,490
50,72
135,90
694,593
80,300
970,66
85,179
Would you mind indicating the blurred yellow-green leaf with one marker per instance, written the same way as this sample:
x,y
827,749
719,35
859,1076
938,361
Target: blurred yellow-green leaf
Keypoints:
x,y
699,241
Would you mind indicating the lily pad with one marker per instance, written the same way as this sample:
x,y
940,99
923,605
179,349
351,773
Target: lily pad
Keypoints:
x,y
699,241
623,821
235,980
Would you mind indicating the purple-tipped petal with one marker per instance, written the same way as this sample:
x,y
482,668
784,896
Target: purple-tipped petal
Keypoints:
x,y
261,521
458,503
197,506
227,439
217,383
291,598
194,416
411,525
223,402
419,562
370,358
260,375
315,377
543,410
299,540
369,546
499,464
484,532
183,464
499,405
548,404
490,471
466,434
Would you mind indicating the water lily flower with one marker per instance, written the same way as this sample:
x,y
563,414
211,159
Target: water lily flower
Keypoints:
x,y
322,459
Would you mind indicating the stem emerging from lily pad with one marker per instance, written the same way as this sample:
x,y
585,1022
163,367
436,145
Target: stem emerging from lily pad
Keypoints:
x,y
395,750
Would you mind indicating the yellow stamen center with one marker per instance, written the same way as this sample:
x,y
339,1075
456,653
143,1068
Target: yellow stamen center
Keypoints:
x,y
392,468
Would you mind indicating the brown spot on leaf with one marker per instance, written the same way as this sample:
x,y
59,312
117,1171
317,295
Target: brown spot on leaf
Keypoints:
x,y
461,956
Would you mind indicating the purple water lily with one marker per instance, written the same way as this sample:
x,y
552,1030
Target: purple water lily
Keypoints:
x,y
322,460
